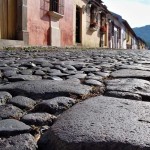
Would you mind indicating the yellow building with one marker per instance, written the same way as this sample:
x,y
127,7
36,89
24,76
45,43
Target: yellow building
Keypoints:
x,y
141,44
131,38
90,24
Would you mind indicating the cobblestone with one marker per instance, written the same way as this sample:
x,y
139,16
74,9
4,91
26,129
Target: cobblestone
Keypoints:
x,y
60,80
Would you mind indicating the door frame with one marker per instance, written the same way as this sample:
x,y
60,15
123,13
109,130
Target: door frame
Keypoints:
x,y
22,33
21,25
80,11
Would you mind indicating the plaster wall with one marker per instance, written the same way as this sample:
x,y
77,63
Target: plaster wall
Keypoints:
x,y
38,22
88,38
123,38
66,24
134,43
129,39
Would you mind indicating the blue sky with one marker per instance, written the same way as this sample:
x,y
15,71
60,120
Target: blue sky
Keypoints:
x,y
143,1
136,12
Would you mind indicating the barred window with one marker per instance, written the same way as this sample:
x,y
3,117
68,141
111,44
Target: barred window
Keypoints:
x,y
93,16
57,6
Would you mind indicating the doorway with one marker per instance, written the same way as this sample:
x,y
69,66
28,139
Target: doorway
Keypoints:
x,y
78,25
8,19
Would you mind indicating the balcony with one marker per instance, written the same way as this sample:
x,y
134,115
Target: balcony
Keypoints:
x,y
93,26
57,8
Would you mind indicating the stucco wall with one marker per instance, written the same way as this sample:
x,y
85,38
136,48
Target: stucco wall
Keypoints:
x,y
66,24
123,38
88,38
129,39
38,22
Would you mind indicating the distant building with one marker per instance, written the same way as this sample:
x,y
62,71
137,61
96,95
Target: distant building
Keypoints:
x,y
131,38
142,44
115,27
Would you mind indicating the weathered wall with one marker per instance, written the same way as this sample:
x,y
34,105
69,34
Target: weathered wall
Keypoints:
x,y
123,38
66,24
129,39
38,22
88,38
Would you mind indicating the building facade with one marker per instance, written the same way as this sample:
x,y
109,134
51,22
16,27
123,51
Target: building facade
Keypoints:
x,y
86,23
90,23
52,24
40,22
131,37
141,44
115,31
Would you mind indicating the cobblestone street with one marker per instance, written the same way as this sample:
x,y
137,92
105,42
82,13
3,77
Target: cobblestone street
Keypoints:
x,y
75,100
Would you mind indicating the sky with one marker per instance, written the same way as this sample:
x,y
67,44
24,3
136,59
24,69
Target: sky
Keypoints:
x,y
136,12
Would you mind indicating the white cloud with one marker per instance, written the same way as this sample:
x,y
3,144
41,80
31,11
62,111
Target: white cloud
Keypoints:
x,y
134,11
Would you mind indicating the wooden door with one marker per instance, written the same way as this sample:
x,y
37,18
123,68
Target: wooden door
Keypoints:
x,y
3,19
8,19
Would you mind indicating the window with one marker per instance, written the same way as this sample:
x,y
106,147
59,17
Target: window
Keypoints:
x,y
57,6
93,16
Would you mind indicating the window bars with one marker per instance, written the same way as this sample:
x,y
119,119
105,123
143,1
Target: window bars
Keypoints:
x,y
57,6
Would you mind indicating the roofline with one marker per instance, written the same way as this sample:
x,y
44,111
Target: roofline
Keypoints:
x,y
129,27
101,5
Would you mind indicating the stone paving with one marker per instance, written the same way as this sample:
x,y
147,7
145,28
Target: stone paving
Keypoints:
x,y
75,100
